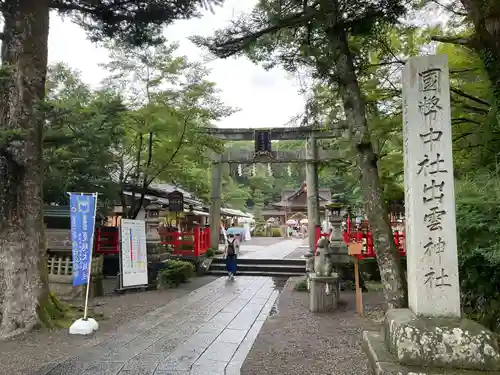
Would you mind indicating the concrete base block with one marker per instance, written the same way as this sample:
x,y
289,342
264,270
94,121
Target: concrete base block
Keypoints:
x,y
383,362
440,342
84,327
324,292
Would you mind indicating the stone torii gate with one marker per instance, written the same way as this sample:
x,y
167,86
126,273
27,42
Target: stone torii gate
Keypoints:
x,y
264,154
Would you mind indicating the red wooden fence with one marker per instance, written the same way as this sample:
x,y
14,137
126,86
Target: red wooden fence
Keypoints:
x,y
107,240
366,238
193,243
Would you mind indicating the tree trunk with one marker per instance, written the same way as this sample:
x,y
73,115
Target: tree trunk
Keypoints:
x,y
23,274
354,107
485,15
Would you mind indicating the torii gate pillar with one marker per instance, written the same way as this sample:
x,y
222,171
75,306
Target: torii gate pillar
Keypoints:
x,y
215,202
313,214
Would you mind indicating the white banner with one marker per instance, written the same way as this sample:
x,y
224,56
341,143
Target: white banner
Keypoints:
x,y
134,257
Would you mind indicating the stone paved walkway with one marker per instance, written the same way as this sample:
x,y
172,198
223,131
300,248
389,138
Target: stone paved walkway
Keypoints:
x,y
210,332
276,251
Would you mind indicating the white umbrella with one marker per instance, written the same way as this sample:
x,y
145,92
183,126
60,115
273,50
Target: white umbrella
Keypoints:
x,y
304,221
291,222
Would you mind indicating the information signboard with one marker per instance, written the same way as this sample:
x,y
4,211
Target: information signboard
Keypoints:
x,y
263,142
133,254
175,201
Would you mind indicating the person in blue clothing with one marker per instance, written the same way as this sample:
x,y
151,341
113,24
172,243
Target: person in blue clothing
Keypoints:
x,y
231,256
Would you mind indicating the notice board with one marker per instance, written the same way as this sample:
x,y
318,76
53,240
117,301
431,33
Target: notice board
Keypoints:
x,y
133,254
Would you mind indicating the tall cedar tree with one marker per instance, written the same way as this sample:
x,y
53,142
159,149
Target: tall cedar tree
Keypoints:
x,y
321,30
24,295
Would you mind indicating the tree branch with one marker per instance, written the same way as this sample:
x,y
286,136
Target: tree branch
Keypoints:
x,y
462,136
145,177
399,62
450,9
461,41
235,45
174,154
463,120
468,96
480,111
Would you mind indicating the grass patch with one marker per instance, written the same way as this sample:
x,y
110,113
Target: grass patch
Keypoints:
x,y
57,314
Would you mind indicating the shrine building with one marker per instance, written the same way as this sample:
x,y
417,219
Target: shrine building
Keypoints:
x,y
293,204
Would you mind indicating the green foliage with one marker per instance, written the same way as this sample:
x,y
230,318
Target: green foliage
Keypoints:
x,y
170,102
275,232
136,22
301,286
82,129
144,127
259,233
478,229
177,272
10,135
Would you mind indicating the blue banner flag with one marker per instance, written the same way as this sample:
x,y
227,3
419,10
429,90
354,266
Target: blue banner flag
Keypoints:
x,y
82,215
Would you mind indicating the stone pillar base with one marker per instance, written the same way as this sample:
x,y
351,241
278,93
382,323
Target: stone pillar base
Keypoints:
x,y
431,346
323,292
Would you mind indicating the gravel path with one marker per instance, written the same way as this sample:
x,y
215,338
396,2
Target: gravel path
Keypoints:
x,y
26,353
294,341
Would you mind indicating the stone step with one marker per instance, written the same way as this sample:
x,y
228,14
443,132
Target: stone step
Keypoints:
x,y
264,268
243,272
278,262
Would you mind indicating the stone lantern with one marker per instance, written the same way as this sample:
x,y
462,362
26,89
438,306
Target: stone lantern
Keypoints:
x,y
323,282
337,208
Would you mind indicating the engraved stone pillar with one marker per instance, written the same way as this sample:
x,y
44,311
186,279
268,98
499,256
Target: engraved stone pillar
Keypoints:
x,y
430,334
431,240
215,202
313,214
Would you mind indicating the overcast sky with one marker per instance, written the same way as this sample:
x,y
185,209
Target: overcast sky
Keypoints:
x,y
266,98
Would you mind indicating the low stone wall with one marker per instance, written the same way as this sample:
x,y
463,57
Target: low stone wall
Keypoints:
x,y
60,272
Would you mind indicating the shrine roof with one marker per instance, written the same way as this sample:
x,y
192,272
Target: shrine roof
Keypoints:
x,y
272,212
289,195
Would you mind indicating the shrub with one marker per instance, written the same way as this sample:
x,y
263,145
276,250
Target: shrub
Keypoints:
x,y
275,232
176,273
259,233
211,252
478,234
301,286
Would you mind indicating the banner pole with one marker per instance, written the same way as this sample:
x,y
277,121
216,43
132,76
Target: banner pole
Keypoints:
x,y
85,311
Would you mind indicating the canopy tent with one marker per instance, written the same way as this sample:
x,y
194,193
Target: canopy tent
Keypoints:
x,y
298,216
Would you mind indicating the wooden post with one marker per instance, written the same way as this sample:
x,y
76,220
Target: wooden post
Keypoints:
x,y
215,202
355,249
359,292
196,241
313,219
